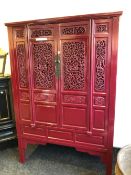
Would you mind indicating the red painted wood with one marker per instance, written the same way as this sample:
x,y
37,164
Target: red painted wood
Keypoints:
x,y
72,106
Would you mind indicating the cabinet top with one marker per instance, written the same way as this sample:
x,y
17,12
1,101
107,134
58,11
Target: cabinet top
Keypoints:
x,y
66,19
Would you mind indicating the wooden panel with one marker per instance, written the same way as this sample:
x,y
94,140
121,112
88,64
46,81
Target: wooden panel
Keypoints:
x,y
74,64
24,95
99,101
74,117
101,59
25,111
99,119
74,28
75,73
43,79
44,97
43,65
90,139
27,130
22,72
64,135
74,99
46,114
22,65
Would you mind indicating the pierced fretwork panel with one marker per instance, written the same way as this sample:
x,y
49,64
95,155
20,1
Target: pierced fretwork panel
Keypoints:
x,y
41,33
74,30
74,54
21,57
100,64
43,65
101,28
20,33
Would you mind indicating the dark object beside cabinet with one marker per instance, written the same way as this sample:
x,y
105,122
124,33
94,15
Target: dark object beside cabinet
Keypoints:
x,y
7,122
64,81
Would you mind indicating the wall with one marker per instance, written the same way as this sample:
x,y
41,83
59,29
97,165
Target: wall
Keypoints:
x,y
15,10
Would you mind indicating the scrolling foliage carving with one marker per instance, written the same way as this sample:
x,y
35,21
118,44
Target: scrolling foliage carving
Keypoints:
x,y
44,97
24,95
74,99
100,65
99,101
20,50
74,63
41,32
74,30
101,28
20,33
43,66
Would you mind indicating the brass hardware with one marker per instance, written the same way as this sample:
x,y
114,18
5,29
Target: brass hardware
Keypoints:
x,y
57,65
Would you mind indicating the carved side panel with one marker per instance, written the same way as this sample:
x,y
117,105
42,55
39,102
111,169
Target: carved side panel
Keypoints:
x,y
74,65
43,65
21,57
100,64
102,29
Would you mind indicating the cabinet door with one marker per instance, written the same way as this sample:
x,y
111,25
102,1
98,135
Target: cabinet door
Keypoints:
x,y
75,74
43,49
22,74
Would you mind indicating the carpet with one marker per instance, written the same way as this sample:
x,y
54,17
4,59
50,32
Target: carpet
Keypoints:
x,y
50,160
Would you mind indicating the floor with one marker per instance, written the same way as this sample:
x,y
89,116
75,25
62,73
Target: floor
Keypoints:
x,y
50,160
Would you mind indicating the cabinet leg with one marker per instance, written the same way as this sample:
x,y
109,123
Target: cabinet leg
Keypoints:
x,y
109,164
109,169
21,155
22,149
107,160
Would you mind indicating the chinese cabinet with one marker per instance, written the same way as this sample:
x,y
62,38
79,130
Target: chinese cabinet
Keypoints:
x,y
64,80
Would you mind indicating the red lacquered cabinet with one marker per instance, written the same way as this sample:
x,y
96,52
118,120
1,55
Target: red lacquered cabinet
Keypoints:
x,y
64,80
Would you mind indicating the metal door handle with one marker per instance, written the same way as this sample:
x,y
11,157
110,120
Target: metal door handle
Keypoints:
x,y
57,65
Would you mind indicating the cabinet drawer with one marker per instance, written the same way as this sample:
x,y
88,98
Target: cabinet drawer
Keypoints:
x,y
84,138
59,134
27,130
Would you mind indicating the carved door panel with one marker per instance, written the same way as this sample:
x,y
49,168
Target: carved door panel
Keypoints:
x,y
43,49
22,73
75,83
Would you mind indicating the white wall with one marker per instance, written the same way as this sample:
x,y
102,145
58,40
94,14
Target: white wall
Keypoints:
x,y
15,10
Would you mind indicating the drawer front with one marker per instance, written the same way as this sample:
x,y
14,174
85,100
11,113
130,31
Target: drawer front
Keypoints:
x,y
60,134
35,131
84,138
